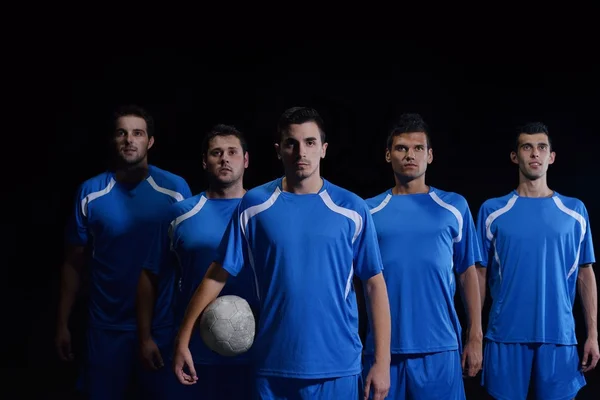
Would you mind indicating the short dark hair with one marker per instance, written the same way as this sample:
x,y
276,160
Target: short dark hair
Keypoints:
x,y
407,123
299,115
223,130
531,128
137,111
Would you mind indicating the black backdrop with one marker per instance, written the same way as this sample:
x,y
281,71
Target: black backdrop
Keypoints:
x,y
472,97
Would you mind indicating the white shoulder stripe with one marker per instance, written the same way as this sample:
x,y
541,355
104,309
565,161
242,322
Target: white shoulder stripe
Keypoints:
x,y
252,211
579,218
185,216
382,204
346,212
177,196
453,210
92,196
496,214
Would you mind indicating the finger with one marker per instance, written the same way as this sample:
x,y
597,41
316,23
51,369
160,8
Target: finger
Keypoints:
x,y
158,359
585,360
463,360
594,362
367,388
377,394
193,375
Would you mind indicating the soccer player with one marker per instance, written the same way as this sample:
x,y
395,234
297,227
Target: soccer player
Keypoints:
x,y
426,236
304,239
113,213
537,247
192,232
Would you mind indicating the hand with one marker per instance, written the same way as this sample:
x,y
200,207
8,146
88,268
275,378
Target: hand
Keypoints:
x,y
472,358
63,344
591,354
150,355
183,358
379,380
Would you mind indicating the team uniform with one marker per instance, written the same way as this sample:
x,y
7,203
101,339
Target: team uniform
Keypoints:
x,y
303,251
116,219
192,233
532,249
425,239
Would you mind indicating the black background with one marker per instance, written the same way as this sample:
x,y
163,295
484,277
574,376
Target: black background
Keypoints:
x,y
472,93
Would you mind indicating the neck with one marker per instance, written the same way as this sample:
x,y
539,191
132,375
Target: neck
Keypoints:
x,y
132,173
533,188
413,186
234,191
309,185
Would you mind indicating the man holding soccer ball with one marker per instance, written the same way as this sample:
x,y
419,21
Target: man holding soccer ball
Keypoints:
x,y
192,232
303,238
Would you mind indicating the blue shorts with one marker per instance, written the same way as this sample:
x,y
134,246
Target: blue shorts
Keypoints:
x,y
276,388
112,369
423,376
217,382
552,370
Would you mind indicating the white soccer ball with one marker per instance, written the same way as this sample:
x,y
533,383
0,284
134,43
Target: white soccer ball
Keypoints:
x,y
227,326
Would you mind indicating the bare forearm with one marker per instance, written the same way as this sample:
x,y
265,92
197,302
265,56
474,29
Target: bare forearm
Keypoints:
x,y
588,293
380,312
69,286
146,298
207,291
69,283
469,281
482,277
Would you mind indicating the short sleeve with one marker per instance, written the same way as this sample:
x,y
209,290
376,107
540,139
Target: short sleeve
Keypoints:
x,y
485,244
232,253
466,250
77,226
367,256
586,253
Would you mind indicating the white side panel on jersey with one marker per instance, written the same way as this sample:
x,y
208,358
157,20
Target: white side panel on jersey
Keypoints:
x,y
579,218
245,218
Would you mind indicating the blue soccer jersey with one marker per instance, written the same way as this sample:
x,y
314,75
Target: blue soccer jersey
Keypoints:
x,y
532,248
424,240
192,233
304,250
116,219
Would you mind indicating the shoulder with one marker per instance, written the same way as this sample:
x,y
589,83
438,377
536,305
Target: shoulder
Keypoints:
x,y
376,201
100,183
570,203
260,194
165,178
451,199
168,183
496,203
343,197
185,208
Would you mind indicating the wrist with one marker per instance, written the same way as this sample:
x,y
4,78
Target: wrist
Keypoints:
x,y
593,334
475,334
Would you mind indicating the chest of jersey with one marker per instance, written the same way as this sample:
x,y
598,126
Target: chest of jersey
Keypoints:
x,y
410,224
539,222
306,223
126,213
203,232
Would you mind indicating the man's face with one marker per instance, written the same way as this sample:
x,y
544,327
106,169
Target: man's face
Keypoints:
x,y
409,155
131,140
301,150
533,155
225,160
